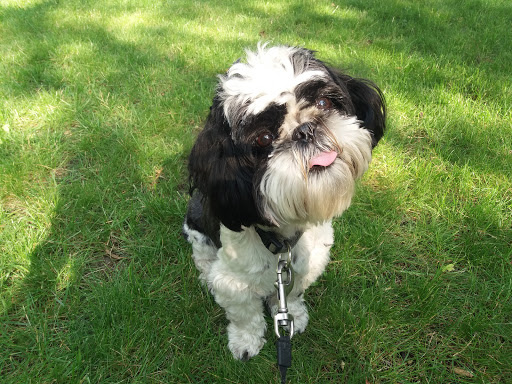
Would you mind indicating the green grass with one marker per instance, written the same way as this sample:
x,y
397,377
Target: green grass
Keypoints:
x,y
100,104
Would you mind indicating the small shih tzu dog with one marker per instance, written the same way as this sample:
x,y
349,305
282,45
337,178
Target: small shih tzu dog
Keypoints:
x,y
285,141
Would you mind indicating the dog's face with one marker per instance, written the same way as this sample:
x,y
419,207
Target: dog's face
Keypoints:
x,y
286,138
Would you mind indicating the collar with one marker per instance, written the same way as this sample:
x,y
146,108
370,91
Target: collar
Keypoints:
x,y
277,243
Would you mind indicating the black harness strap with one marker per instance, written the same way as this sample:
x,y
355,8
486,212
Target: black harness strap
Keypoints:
x,y
276,243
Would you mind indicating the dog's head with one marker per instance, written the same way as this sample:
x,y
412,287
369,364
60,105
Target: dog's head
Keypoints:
x,y
286,138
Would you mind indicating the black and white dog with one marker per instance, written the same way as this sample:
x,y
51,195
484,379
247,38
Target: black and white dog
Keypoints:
x,y
286,138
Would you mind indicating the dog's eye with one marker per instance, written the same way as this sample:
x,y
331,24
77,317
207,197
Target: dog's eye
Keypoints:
x,y
264,139
324,103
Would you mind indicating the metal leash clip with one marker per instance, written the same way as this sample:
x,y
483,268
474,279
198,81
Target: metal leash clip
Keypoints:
x,y
284,287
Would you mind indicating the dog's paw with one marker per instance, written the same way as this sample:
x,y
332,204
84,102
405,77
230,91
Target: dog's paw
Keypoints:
x,y
300,317
243,344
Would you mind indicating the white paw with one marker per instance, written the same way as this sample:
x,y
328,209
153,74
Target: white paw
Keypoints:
x,y
244,344
300,316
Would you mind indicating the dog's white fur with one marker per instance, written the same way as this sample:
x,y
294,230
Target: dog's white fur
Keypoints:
x,y
291,199
266,77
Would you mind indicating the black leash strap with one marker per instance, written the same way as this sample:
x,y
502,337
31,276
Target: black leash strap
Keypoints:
x,y
284,355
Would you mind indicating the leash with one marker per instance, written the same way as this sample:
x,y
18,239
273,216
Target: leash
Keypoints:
x,y
283,319
279,245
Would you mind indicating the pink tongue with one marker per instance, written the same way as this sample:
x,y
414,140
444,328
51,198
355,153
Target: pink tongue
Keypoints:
x,y
323,159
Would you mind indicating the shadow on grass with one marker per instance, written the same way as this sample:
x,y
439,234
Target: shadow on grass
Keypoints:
x,y
88,297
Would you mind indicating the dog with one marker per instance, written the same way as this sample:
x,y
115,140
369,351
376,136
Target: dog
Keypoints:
x,y
286,139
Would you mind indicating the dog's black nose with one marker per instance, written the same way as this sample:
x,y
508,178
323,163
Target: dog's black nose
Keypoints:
x,y
304,132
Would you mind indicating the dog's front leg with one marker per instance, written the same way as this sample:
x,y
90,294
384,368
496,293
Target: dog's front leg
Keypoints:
x,y
246,328
240,277
243,307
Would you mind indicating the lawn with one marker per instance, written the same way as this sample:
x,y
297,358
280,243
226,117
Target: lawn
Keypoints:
x,y
100,101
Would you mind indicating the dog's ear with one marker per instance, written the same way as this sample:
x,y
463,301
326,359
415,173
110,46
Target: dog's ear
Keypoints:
x,y
223,172
368,101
